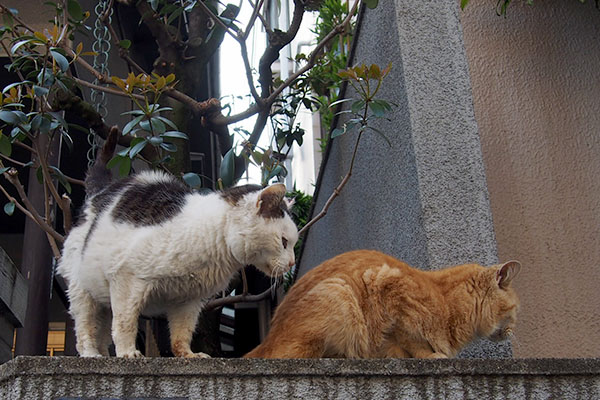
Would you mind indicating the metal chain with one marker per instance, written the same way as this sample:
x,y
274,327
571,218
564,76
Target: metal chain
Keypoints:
x,y
101,47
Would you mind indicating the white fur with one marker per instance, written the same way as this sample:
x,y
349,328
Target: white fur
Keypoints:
x,y
169,269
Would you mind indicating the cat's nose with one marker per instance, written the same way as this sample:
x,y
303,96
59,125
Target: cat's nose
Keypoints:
x,y
291,263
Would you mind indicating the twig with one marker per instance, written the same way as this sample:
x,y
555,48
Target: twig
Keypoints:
x,y
217,20
67,215
12,176
19,163
248,68
107,89
314,55
255,14
336,191
248,298
46,174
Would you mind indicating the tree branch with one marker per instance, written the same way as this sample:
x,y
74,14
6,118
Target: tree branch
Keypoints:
x,y
12,176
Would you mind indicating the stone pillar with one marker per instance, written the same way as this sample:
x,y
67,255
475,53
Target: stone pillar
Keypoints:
x,y
424,199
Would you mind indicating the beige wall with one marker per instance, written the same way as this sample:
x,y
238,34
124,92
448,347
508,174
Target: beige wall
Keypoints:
x,y
536,86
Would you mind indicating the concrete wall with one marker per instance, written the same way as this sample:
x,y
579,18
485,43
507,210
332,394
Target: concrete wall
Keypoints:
x,y
536,89
44,378
424,199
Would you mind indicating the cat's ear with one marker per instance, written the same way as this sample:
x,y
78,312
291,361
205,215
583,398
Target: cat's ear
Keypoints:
x,y
289,202
269,201
507,272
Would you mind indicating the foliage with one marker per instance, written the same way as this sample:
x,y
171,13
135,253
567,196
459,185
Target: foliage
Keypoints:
x,y
323,79
147,127
502,5
366,81
300,214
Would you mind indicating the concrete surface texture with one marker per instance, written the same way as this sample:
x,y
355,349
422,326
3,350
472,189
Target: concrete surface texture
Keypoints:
x,y
55,378
423,199
536,93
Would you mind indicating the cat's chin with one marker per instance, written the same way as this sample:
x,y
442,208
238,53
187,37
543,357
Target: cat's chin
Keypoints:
x,y
273,272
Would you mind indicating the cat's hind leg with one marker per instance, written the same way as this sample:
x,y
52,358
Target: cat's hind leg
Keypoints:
x,y
127,298
182,324
84,310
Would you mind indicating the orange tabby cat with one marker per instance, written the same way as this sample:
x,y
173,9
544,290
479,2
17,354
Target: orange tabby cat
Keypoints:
x,y
365,304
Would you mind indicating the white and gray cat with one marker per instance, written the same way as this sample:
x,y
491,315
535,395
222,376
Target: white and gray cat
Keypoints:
x,y
148,244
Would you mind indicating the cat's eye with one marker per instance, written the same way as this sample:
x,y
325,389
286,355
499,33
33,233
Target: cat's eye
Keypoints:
x,y
284,242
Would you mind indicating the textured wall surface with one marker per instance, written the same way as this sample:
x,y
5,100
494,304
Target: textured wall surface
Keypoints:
x,y
55,378
536,87
424,199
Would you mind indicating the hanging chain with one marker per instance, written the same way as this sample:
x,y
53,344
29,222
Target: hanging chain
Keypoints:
x,y
101,47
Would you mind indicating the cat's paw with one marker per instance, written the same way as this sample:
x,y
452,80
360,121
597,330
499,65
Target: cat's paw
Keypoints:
x,y
90,354
437,355
197,355
131,354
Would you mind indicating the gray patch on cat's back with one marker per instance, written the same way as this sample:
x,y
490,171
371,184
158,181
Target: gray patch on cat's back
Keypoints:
x,y
104,198
144,204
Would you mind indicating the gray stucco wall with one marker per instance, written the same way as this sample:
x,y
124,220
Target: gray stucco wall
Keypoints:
x,y
424,199
169,378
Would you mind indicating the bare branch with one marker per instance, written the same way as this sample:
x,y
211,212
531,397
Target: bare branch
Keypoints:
x,y
12,176
242,298
107,89
255,14
67,215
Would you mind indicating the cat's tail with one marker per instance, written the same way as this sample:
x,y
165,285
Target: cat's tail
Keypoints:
x,y
98,176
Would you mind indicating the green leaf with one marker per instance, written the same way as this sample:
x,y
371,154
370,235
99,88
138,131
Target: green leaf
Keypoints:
x,y
158,126
3,170
175,134
10,117
125,43
227,170
131,124
338,132
463,4
377,109
382,135
371,3
193,180
137,148
156,141
125,166
61,60
40,90
12,85
168,122
9,208
357,106
116,160
153,4
5,145
39,174
74,10
62,179
21,43
170,147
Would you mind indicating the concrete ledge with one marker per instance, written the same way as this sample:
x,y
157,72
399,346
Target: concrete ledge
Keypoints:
x,y
169,378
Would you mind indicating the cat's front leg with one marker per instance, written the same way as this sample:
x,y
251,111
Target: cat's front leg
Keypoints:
x,y
127,297
182,324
